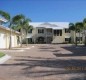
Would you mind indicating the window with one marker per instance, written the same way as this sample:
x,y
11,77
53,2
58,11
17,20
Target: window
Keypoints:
x,y
58,32
54,32
49,30
30,39
79,38
67,31
68,40
40,30
30,31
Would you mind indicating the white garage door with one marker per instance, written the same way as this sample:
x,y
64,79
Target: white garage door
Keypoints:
x,y
2,40
13,38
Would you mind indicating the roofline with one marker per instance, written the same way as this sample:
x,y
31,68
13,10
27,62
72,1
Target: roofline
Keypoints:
x,y
47,21
3,20
8,29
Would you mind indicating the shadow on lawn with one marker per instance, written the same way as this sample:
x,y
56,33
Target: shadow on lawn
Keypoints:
x,y
39,68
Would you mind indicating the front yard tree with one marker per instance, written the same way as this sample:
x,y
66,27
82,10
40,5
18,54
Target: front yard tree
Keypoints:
x,y
27,28
79,27
21,23
9,20
73,28
84,25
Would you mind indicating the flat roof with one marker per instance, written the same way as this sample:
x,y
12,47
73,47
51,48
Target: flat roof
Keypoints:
x,y
53,25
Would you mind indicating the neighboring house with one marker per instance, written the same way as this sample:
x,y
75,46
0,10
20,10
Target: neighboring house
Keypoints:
x,y
51,32
5,36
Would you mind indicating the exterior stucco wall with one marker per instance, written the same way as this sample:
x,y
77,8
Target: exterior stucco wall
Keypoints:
x,y
5,37
55,26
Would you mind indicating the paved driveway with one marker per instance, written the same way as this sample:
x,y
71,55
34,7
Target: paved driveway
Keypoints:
x,y
45,62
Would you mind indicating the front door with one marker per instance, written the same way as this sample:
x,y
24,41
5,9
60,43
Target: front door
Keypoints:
x,y
40,39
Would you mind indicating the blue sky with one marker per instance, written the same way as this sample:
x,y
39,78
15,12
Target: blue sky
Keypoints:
x,y
47,10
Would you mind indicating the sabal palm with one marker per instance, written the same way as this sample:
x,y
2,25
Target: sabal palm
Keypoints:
x,y
9,19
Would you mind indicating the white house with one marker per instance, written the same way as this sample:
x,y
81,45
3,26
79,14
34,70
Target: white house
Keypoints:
x,y
51,32
5,36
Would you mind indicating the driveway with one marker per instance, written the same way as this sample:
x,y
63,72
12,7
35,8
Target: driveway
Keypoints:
x,y
45,62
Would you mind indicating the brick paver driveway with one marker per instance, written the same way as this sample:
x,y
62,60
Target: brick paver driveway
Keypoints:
x,y
45,62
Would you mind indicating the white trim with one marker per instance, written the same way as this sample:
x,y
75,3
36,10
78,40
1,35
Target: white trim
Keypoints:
x,y
67,36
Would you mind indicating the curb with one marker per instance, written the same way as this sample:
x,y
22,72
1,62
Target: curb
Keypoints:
x,y
20,50
4,58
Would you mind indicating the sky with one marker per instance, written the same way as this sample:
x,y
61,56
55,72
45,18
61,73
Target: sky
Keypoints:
x,y
46,10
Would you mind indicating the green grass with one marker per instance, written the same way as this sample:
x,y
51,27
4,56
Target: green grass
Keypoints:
x,y
1,54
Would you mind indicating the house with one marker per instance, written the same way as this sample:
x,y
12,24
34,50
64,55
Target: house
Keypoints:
x,y
51,32
5,36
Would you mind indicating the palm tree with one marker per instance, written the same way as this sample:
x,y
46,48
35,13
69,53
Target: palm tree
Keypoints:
x,y
84,25
73,27
79,26
27,28
20,21
9,19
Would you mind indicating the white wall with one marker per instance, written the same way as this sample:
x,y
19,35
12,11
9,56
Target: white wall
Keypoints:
x,y
13,40
2,40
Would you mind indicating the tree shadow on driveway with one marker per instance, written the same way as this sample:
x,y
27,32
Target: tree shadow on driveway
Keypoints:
x,y
40,68
74,52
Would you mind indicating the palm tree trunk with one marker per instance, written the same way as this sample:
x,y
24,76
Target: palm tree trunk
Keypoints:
x,y
10,40
21,37
85,40
82,38
75,39
79,37
26,39
85,37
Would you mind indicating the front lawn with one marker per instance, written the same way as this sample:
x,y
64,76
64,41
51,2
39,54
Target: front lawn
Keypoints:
x,y
1,54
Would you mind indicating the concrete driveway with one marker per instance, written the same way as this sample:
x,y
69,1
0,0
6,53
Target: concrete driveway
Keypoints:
x,y
45,62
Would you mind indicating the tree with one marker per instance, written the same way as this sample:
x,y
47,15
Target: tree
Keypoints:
x,y
28,28
84,25
79,26
9,20
21,23
73,28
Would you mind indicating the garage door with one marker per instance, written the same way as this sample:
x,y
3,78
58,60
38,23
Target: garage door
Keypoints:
x,y
2,40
